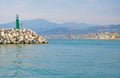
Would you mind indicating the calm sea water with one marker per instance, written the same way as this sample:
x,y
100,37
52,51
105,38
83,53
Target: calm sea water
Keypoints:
x,y
61,58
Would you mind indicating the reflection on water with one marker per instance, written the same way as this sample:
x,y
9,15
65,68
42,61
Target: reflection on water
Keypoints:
x,y
11,59
17,62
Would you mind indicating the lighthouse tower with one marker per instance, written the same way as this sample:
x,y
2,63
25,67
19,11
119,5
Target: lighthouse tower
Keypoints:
x,y
17,22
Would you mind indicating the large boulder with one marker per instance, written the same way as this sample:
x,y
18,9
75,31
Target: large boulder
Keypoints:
x,y
20,36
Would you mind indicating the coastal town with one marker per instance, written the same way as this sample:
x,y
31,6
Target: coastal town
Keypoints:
x,y
100,35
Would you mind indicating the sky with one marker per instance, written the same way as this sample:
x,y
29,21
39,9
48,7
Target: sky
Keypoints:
x,y
62,11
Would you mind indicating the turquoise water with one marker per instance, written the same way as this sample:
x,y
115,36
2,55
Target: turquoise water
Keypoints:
x,y
61,58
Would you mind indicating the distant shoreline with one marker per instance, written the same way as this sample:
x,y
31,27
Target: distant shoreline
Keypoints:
x,y
99,36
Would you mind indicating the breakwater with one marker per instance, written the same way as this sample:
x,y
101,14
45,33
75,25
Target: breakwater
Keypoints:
x,y
20,36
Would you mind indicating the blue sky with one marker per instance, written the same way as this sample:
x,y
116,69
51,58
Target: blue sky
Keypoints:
x,y
61,11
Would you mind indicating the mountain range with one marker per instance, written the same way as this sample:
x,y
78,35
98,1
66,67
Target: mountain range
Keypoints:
x,y
44,27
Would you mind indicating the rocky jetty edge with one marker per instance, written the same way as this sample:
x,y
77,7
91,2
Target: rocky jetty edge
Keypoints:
x,y
20,36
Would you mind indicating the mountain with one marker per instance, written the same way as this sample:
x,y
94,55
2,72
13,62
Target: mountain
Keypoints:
x,y
43,26
91,29
77,25
36,25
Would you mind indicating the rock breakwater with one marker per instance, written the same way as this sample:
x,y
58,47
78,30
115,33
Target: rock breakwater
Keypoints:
x,y
20,36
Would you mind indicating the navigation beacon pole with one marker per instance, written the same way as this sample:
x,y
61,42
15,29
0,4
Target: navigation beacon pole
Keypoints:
x,y
17,22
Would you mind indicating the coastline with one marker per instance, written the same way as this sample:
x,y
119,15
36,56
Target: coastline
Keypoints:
x,y
101,36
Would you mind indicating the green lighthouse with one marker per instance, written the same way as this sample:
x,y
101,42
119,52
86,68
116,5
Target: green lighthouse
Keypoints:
x,y
17,22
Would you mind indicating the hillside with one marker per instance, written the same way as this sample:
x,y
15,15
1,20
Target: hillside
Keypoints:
x,y
91,29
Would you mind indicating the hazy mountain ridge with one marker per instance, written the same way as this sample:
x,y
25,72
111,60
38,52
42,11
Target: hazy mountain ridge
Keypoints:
x,y
37,24
114,28
45,27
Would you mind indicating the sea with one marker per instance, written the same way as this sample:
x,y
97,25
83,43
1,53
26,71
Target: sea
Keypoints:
x,y
61,58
